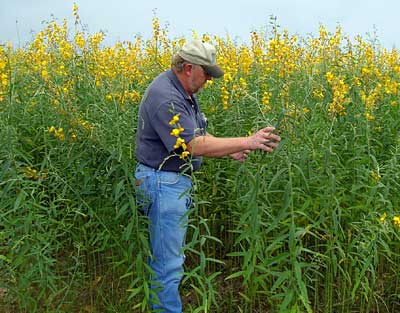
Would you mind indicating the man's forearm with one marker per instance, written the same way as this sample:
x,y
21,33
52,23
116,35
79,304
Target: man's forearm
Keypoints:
x,y
215,147
211,146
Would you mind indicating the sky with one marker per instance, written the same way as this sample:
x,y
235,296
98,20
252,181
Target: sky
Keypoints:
x,y
124,19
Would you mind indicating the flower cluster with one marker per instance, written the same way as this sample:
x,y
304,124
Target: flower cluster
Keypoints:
x,y
57,132
333,72
265,100
354,69
31,172
376,176
339,94
4,74
180,142
395,219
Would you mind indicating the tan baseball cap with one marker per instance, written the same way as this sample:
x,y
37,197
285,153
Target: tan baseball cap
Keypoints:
x,y
201,53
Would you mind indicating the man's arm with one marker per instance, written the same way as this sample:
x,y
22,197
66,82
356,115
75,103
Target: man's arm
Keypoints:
x,y
216,147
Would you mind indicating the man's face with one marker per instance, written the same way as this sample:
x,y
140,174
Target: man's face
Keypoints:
x,y
198,78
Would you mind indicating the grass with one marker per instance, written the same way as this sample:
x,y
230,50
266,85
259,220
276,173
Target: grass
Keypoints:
x,y
308,228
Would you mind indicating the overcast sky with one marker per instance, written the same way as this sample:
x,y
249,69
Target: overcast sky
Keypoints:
x,y
123,19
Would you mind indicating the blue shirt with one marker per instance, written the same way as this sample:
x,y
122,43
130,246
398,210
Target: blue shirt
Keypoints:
x,y
163,99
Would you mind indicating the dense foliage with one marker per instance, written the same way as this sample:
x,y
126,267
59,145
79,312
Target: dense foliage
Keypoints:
x,y
312,227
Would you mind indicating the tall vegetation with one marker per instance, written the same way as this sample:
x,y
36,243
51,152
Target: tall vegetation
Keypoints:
x,y
312,227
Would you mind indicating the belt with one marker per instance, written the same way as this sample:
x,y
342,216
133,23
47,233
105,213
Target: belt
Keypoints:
x,y
185,172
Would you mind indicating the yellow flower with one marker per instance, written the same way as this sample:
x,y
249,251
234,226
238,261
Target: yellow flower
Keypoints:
x,y
4,80
174,120
318,93
356,81
266,98
184,147
184,154
396,221
31,172
369,116
329,76
80,40
58,133
44,74
176,131
179,142
383,217
376,175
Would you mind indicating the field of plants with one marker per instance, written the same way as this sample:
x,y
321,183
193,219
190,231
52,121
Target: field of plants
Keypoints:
x,y
312,227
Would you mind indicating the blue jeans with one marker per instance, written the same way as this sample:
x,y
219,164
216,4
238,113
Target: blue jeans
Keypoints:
x,y
165,199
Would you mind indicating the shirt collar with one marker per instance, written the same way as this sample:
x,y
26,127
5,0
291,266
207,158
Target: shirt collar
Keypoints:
x,y
175,81
178,85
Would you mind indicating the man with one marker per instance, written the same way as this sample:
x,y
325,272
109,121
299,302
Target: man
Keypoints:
x,y
171,141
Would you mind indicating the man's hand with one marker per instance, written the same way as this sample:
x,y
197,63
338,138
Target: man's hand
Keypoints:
x,y
264,140
240,156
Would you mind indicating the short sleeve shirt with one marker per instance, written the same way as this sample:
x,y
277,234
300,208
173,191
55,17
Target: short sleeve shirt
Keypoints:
x,y
164,99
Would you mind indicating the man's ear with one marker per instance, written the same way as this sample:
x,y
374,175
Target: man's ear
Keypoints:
x,y
188,69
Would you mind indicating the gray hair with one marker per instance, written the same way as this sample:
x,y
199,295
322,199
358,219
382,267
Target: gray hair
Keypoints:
x,y
178,63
